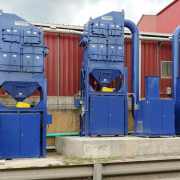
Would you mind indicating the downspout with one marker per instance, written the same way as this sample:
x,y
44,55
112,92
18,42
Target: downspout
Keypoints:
x,y
175,71
135,60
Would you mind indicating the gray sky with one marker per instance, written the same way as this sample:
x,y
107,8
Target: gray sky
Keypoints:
x,y
77,12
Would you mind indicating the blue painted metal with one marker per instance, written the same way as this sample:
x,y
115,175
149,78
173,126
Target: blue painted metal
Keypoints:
x,y
107,122
105,113
20,135
135,58
155,116
176,78
22,53
152,87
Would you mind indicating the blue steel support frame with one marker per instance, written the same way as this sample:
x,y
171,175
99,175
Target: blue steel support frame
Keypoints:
x,y
175,45
176,80
86,89
41,107
20,78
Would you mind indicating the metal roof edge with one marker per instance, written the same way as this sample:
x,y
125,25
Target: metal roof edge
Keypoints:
x,y
166,7
72,29
142,18
58,26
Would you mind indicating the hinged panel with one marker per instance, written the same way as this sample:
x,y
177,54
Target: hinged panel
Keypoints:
x,y
10,57
11,34
33,59
10,135
30,134
32,36
103,115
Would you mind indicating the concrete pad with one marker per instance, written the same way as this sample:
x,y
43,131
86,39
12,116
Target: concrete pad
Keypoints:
x,y
2,162
118,147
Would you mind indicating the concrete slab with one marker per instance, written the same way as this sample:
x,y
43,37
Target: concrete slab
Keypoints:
x,y
118,147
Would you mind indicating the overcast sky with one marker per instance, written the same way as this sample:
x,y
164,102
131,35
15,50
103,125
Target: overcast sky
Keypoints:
x,y
77,12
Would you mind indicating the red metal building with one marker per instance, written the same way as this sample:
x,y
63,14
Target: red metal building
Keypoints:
x,y
163,22
64,60
63,63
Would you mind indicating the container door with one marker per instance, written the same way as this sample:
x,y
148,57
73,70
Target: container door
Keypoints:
x,y
168,117
9,135
99,115
117,114
151,115
30,134
107,115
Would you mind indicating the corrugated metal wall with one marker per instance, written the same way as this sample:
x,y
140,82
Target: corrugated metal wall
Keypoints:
x,y
128,62
63,64
51,63
152,54
65,56
149,62
70,63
